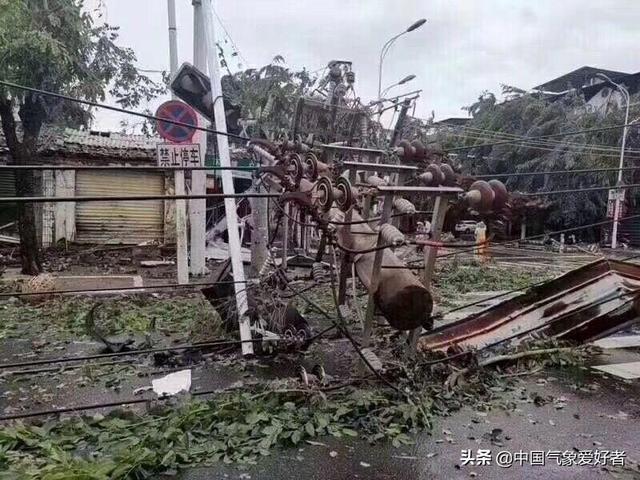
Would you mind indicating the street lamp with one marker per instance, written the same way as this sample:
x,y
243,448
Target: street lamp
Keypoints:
x,y
386,46
406,79
616,209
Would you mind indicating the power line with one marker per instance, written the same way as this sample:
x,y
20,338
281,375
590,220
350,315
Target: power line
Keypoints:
x,y
229,37
128,353
557,232
504,135
584,189
410,265
575,148
120,110
557,172
550,135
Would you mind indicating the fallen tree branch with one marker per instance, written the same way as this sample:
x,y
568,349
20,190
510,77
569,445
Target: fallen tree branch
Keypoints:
x,y
519,355
454,378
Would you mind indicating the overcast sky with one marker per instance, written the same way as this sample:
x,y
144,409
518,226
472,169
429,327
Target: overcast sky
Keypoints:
x,y
465,47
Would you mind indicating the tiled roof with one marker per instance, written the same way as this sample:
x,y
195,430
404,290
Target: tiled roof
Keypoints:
x,y
68,141
109,139
102,144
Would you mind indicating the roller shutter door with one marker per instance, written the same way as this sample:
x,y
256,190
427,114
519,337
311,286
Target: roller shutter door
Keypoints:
x,y
7,189
125,222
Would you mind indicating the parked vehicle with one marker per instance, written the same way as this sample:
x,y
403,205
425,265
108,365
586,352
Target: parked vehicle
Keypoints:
x,y
466,227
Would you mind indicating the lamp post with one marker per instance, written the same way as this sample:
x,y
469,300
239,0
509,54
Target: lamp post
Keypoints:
x,y
406,79
616,208
386,46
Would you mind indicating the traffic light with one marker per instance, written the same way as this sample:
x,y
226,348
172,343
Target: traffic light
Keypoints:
x,y
194,88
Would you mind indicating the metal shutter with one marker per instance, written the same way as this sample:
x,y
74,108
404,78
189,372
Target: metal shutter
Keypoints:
x,y
7,189
126,222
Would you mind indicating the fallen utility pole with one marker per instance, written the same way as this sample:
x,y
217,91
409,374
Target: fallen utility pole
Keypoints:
x,y
227,178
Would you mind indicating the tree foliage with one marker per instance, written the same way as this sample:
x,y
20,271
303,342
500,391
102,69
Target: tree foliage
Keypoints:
x,y
532,115
57,45
266,97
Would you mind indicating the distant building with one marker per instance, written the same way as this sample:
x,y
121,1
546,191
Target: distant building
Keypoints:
x,y
599,94
453,121
579,78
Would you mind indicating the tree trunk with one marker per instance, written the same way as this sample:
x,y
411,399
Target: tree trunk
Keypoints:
x,y
23,153
29,240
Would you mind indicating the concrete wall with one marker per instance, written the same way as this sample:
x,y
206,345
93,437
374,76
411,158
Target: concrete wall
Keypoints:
x,y
65,212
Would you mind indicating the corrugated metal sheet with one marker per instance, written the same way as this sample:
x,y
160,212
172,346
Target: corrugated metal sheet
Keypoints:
x,y
585,304
129,222
7,189
7,184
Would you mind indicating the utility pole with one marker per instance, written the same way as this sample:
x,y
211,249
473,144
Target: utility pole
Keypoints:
x,y
178,175
227,178
198,207
616,209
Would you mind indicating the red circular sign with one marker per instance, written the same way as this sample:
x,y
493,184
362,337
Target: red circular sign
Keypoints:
x,y
176,111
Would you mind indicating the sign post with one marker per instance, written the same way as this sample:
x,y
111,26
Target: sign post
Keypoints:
x,y
175,155
616,197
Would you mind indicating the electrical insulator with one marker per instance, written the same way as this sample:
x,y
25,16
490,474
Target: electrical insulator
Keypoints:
x,y
402,205
449,174
350,77
335,215
317,271
408,151
501,196
419,148
391,235
364,127
480,196
264,269
376,181
437,174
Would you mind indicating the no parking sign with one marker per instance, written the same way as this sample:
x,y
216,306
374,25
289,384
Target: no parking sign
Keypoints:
x,y
176,111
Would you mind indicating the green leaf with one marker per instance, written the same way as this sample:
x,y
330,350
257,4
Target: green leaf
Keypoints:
x,y
311,431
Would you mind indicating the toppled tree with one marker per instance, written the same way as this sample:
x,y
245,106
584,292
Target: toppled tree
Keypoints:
x,y
266,97
532,115
56,45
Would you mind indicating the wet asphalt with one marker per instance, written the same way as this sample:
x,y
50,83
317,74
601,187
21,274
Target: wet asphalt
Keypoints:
x,y
588,412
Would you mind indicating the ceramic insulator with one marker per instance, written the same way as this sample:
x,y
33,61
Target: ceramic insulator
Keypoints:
x,y
402,205
391,235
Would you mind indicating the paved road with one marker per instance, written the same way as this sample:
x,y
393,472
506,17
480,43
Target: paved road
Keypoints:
x,y
586,411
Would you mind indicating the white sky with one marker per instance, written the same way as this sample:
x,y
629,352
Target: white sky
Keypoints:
x,y
467,46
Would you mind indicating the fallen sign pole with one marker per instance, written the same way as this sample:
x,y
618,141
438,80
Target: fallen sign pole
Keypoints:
x,y
227,179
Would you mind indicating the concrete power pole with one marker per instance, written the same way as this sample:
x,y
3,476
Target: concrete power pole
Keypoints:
x,y
198,208
259,233
227,178
178,175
